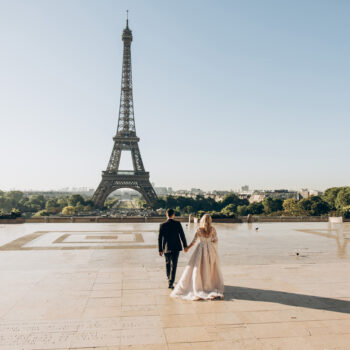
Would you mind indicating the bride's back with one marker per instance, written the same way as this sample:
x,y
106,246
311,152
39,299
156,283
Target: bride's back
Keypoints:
x,y
203,233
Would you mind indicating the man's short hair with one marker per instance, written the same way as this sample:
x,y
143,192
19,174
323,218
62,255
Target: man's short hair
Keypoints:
x,y
170,212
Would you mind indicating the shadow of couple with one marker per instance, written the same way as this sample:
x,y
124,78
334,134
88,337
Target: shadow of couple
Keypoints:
x,y
292,299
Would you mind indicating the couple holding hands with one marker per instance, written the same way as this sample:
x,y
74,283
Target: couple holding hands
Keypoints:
x,y
202,277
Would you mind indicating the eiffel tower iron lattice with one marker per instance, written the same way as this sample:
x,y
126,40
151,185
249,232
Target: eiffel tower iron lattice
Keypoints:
x,y
125,140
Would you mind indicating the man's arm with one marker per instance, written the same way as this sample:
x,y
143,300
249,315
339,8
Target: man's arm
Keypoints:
x,y
160,241
182,235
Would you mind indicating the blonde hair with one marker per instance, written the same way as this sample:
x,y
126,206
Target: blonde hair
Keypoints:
x,y
205,223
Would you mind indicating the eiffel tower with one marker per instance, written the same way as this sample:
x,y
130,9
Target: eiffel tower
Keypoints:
x,y
125,140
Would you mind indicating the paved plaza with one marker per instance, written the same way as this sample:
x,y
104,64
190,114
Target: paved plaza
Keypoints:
x,y
103,286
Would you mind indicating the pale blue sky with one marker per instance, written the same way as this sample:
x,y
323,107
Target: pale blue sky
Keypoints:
x,y
226,93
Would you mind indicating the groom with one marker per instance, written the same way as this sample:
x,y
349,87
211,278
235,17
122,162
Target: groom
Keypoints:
x,y
169,242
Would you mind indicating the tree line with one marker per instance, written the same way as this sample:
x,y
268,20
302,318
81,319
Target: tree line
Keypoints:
x,y
335,201
40,205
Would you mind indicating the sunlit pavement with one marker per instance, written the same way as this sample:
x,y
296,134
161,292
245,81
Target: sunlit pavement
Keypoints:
x,y
103,286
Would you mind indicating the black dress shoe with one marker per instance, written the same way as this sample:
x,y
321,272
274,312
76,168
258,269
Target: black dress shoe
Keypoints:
x,y
171,286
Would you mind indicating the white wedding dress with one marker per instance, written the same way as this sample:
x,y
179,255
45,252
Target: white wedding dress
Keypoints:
x,y
202,277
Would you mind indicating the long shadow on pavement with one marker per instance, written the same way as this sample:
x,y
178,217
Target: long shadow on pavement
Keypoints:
x,y
293,299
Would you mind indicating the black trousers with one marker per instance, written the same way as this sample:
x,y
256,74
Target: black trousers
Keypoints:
x,y
171,264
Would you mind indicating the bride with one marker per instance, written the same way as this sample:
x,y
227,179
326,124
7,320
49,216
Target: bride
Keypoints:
x,y
202,277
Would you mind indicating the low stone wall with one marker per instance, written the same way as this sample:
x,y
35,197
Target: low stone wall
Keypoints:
x,y
140,219
12,221
287,219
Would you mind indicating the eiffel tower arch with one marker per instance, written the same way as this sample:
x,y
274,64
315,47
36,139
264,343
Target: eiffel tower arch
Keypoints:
x,y
125,140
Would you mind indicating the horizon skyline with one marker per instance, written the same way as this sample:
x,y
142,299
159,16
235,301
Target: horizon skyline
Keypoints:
x,y
79,188
259,97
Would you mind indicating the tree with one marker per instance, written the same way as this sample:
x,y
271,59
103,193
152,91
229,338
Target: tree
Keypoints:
x,y
9,200
331,194
74,199
291,207
90,203
25,206
305,206
243,210
314,206
229,210
233,199
52,205
160,204
43,212
188,209
231,207
62,202
14,196
272,205
319,206
79,207
170,202
69,210
37,201
110,203
343,198
15,213
139,202
256,208
346,212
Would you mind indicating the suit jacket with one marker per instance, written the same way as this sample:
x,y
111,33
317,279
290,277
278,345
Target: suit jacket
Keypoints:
x,y
170,236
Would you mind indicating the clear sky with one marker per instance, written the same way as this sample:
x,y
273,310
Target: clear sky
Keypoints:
x,y
226,93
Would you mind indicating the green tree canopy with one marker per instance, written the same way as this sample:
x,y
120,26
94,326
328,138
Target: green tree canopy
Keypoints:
x,y
291,207
37,200
233,199
74,199
343,198
43,212
314,206
330,196
272,205
69,210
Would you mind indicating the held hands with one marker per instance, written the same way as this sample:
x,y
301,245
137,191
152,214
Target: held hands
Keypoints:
x,y
186,249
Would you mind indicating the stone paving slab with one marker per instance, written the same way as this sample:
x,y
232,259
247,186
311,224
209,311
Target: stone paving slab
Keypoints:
x,y
117,299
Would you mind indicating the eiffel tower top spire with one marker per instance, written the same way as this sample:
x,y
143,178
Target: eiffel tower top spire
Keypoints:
x,y
126,121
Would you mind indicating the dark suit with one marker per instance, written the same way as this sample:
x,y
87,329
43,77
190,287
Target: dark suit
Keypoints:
x,y
170,237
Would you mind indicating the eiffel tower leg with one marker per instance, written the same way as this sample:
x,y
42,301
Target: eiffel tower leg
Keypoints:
x,y
136,158
103,190
115,157
146,189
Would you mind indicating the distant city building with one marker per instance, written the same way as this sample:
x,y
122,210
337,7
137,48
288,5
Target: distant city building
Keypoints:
x,y
306,193
258,196
245,188
221,193
315,193
196,191
161,191
217,195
